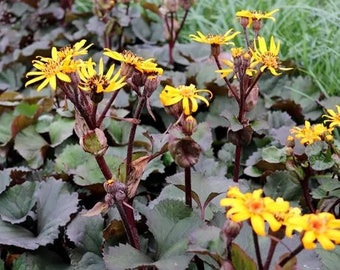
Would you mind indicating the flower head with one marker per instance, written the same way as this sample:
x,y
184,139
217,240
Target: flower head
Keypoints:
x,y
250,16
267,57
97,81
333,117
254,207
241,62
187,95
48,70
75,50
320,227
215,39
311,133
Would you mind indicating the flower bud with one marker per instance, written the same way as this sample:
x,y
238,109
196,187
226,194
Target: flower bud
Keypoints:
x,y
151,85
231,229
189,125
215,50
109,186
257,25
94,142
184,151
171,5
96,97
244,21
186,4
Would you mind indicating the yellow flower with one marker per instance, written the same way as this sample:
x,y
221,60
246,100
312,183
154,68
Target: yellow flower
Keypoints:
x,y
240,56
253,207
185,94
255,15
49,69
215,39
149,67
333,117
320,227
310,134
131,62
267,58
76,50
97,81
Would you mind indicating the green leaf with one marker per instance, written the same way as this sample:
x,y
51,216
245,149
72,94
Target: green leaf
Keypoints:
x,y
272,154
30,145
329,258
5,179
282,184
6,120
207,239
74,160
87,233
26,109
240,258
42,259
43,123
124,257
17,202
171,221
60,129
55,204
203,136
319,156
90,261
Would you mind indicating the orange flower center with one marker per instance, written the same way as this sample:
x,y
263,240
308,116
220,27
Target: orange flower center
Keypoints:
x,y
187,92
255,205
270,60
317,224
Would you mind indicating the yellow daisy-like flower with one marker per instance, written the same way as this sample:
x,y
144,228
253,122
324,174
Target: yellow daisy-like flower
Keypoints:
x,y
320,227
333,117
215,39
49,70
187,95
149,67
267,57
131,62
310,134
97,81
253,207
255,15
75,50
239,56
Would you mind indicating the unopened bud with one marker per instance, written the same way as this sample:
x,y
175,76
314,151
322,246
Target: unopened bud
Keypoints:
x,y
94,142
257,24
151,85
171,5
109,186
189,125
215,50
96,97
244,21
231,229
186,4
185,152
